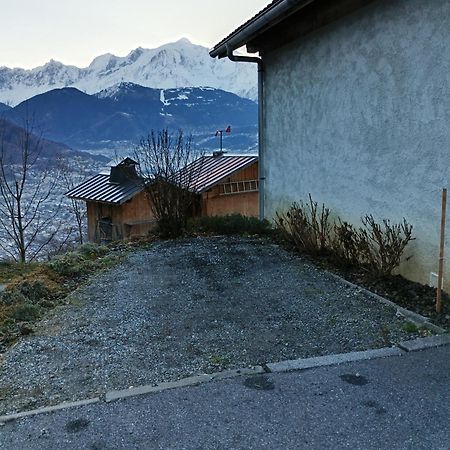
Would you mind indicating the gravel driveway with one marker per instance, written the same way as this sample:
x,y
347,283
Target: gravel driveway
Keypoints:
x,y
187,307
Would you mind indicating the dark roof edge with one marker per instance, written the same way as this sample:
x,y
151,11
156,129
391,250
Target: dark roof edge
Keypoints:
x,y
266,18
117,203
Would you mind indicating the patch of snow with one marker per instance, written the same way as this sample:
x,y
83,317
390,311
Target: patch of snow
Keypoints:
x,y
162,98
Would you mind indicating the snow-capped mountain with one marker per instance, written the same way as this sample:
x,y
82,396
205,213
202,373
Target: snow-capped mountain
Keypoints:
x,y
174,65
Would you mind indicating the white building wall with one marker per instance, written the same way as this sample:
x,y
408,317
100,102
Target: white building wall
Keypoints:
x,y
358,115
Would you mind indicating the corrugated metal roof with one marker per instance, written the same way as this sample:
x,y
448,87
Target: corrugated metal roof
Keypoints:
x,y
199,176
100,189
207,171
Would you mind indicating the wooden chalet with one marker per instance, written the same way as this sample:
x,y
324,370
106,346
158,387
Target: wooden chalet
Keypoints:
x,y
119,208
226,184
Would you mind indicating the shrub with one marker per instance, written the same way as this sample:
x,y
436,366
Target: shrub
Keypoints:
x,y
34,290
92,250
308,227
70,264
89,259
410,327
229,224
345,243
26,312
11,297
378,247
382,245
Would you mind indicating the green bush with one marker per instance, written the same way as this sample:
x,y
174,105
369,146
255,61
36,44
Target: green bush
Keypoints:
x,y
35,291
12,297
229,224
69,264
26,312
92,250
72,264
87,260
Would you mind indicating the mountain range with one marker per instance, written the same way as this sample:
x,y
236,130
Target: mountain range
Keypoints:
x,y
118,116
4,107
172,65
13,136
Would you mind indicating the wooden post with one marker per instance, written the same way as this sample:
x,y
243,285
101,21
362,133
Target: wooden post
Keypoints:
x,y
441,253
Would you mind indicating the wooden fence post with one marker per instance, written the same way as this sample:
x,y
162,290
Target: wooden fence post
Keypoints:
x,y
441,253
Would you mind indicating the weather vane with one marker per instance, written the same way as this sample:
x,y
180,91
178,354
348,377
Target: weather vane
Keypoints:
x,y
220,133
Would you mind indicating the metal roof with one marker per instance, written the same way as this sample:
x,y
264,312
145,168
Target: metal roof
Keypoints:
x,y
198,176
207,171
100,189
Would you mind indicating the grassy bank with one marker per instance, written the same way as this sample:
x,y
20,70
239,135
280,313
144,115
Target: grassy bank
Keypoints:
x,y
31,290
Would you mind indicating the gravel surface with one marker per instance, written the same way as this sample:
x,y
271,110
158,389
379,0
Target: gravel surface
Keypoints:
x,y
186,307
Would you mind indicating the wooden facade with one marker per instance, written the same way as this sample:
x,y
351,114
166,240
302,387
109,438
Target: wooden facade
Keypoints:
x,y
118,206
112,222
237,194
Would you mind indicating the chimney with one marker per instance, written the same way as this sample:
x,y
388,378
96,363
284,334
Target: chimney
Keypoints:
x,y
123,172
218,153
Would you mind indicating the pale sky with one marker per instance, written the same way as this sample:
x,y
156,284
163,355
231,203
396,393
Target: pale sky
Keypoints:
x,y
74,32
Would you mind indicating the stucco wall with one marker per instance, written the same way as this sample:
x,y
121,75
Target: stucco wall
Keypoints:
x,y
358,115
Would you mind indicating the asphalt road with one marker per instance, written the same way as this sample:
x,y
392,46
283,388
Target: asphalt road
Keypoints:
x,y
400,402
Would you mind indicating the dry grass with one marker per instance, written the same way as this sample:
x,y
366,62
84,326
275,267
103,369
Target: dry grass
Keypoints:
x,y
31,290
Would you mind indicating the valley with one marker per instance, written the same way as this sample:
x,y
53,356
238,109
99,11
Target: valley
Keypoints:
x,y
84,117
121,115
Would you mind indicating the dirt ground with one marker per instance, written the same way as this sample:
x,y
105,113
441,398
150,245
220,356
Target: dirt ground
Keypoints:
x,y
191,306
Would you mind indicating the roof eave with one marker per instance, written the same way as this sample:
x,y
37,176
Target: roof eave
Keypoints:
x,y
117,203
84,199
266,19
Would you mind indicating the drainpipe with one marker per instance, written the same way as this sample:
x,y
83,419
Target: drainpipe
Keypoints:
x,y
261,168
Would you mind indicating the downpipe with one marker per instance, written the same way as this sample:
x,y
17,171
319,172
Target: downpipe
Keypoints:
x,y
261,160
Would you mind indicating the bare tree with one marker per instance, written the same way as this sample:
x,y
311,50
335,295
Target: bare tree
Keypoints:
x,y
27,187
77,208
170,167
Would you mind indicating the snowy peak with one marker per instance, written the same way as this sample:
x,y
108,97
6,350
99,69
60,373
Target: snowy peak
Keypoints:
x,y
173,65
118,90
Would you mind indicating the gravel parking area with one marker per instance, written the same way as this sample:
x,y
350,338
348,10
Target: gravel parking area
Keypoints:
x,y
186,307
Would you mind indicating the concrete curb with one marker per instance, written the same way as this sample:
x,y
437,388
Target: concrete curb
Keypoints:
x,y
139,390
190,381
47,409
331,360
412,316
423,343
278,367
